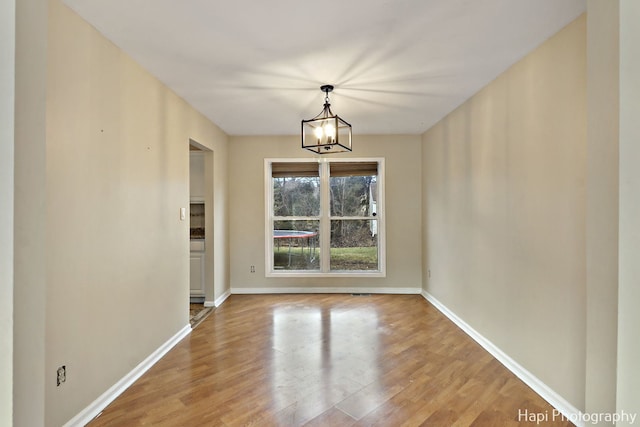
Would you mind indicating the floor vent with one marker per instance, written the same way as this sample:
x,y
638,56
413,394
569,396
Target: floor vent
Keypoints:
x,y
360,295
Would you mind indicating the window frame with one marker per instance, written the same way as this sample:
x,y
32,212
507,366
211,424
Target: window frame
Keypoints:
x,y
325,220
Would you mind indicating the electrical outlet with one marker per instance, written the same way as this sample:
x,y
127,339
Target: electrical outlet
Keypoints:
x,y
253,269
429,273
61,375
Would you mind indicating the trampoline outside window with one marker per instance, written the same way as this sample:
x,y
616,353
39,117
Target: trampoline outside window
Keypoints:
x,y
324,218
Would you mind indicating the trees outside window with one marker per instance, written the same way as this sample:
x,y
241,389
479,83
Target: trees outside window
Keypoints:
x,y
324,217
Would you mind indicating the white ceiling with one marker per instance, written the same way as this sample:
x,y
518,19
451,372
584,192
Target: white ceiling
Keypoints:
x,y
255,67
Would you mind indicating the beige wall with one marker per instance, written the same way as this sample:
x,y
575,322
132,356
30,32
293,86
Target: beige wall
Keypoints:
x,y
504,211
29,374
628,395
246,189
7,106
117,269
602,206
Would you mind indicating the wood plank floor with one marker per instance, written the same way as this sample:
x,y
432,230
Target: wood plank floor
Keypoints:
x,y
326,360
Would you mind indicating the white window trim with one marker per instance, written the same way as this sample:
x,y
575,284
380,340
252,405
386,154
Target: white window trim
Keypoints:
x,y
325,230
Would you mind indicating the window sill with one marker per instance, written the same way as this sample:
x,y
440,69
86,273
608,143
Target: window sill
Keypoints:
x,y
341,274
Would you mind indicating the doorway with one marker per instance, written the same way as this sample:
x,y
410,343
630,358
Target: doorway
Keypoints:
x,y
200,231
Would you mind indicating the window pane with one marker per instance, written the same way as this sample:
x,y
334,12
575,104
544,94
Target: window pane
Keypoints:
x,y
354,245
295,245
296,196
353,195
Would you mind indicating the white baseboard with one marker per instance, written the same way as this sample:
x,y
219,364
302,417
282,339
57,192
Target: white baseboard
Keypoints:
x,y
218,302
222,298
345,290
548,394
90,412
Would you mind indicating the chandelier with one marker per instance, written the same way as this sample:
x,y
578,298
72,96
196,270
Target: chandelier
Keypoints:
x,y
326,133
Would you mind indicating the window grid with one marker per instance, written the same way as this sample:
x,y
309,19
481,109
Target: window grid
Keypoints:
x,y
325,217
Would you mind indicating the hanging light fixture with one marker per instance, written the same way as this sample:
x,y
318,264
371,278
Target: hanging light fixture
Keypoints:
x,y
326,133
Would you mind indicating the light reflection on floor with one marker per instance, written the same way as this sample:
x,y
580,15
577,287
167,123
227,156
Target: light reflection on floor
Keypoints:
x,y
315,361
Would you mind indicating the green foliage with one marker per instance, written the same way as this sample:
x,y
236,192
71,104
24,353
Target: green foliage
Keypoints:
x,y
353,245
350,197
356,258
300,258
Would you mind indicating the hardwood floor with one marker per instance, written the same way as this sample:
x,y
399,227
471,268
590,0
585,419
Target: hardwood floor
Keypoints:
x,y
326,360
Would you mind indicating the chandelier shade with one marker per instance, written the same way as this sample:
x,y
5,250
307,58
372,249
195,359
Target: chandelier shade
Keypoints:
x,y
326,133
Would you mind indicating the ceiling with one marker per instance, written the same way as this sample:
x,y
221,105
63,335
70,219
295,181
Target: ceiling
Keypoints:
x,y
255,67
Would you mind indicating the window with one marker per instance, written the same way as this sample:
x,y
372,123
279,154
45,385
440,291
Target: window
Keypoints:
x,y
324,217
